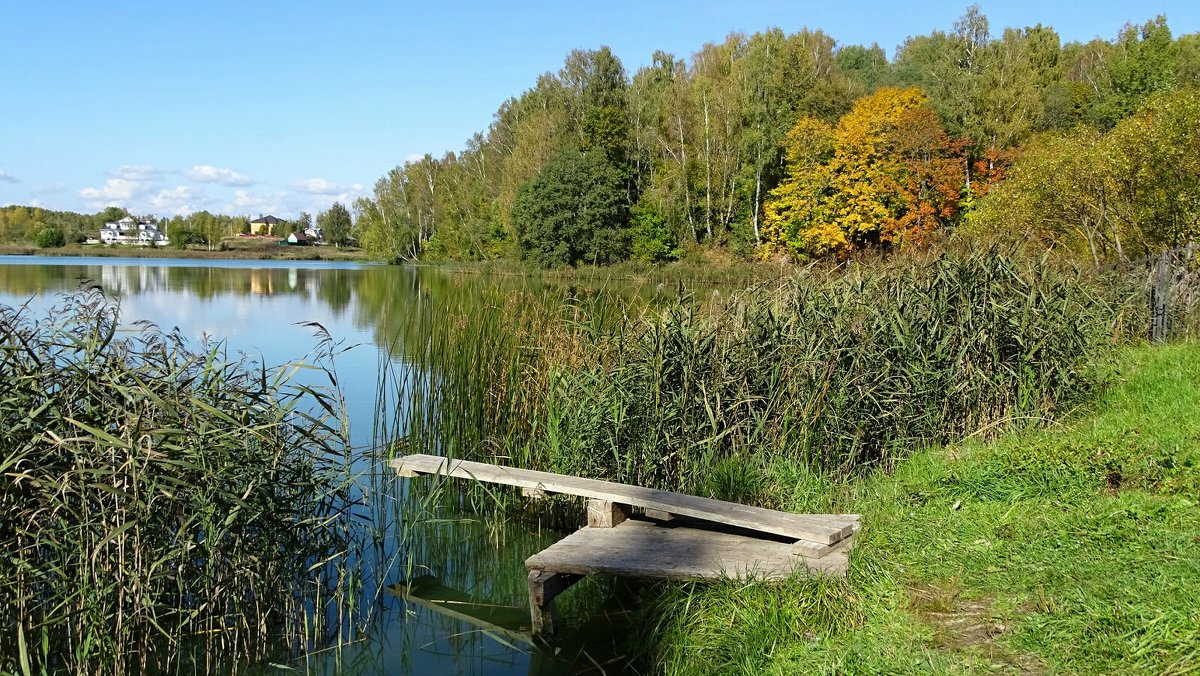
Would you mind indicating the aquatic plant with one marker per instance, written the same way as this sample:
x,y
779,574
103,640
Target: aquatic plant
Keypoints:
x,y
842,370
162,506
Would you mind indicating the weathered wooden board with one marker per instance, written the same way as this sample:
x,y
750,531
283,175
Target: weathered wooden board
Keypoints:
x,y
638,548
605,514
822,529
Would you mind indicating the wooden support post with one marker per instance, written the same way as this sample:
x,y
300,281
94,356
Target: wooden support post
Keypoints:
x,y
659,515
1160,293
543,587
606,514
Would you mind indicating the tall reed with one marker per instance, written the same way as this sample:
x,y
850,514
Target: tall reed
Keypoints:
x,y
162,507
844,370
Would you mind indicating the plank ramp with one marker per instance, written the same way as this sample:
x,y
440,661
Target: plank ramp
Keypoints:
x,y
823,530
649,549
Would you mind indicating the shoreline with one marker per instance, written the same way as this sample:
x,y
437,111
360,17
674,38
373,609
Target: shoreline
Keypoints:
x,y
258,253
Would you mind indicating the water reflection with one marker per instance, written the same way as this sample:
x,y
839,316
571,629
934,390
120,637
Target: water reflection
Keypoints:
x,y
265,309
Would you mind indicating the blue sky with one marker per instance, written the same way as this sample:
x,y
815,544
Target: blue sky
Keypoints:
x,y
265,106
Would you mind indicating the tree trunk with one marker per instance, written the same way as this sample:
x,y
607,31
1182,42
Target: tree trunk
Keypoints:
x,y
707,172
757,194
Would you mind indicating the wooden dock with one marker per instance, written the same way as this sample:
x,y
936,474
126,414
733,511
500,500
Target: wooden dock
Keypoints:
x,y
676,536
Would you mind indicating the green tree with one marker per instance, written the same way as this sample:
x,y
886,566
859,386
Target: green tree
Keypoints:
x,y
50,238
575,211
335,224
108,215
1125,194
1142,64
867,65
302,223
385,226
605,122
651,240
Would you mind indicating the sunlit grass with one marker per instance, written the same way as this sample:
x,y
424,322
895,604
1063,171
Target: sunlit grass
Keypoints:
x,y
1021,554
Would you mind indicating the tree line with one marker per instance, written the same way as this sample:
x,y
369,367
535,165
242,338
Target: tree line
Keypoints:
x,y
48,228
778,144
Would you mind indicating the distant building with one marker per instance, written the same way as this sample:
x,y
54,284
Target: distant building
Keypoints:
x,y
131,231
299,238
263,225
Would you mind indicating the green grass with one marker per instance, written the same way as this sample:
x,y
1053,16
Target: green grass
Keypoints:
x,y
1070,549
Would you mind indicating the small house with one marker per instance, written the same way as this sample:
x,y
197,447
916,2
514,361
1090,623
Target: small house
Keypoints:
x,y
131,231
263,225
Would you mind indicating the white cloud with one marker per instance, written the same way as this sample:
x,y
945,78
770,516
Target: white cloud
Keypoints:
x,y
246,203
413,157
206,173
8,178
317,186
126,183
178,201
116,192
142,173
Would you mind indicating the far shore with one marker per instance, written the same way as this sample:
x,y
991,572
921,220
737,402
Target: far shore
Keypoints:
x,y
237,251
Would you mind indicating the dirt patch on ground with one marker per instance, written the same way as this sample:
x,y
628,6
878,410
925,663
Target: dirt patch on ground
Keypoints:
x,y
969,625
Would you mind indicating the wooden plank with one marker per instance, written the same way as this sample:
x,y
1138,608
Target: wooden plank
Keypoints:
x,y
816,551
658,515
821,529
605,514
646,549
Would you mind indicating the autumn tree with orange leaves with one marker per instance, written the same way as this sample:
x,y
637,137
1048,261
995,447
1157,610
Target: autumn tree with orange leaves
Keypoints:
x,y
886,175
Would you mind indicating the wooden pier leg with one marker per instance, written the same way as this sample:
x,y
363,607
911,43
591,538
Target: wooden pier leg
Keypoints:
x,y
543,587
659,515
606,514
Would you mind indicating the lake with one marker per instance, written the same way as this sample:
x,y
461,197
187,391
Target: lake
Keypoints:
x,y
276,312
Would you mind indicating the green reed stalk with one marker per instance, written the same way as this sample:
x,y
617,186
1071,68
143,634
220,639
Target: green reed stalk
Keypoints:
x,y
163,508
843,370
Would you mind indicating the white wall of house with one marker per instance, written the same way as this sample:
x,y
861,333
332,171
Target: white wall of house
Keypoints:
x,y
129,231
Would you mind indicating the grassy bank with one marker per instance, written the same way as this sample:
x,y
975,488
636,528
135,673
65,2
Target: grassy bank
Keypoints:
x,y
1069,549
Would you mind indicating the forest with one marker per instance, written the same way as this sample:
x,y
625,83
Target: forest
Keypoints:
x,y
792,146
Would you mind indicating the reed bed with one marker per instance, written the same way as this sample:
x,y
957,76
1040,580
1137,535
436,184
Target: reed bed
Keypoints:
x,y
844,370
165,508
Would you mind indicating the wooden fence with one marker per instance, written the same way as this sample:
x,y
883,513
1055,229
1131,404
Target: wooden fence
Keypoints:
x,y
1174,293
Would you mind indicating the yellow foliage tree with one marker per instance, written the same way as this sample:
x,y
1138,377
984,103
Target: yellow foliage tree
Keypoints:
x,y
886,175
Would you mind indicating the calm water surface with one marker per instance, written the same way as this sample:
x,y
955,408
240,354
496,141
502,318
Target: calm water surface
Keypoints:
x,y
266,310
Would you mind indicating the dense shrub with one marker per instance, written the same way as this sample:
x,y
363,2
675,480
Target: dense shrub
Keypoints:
x,y
51,238
576,210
